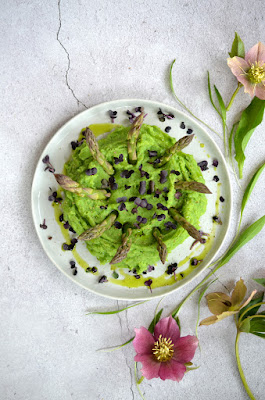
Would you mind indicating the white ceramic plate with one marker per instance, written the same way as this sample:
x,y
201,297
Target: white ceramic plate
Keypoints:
x,y
59,151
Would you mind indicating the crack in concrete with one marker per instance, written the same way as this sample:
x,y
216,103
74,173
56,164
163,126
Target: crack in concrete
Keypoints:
x,y
68,57
126,361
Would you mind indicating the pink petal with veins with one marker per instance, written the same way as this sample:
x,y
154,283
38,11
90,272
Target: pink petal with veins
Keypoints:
x,y
260,91
150,367
172,370
238,66
168,328
256,53
185,348
143,341
248,87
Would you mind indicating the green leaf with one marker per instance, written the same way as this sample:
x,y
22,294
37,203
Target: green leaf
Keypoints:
x,y
138,381
245,326
243,239
230,140
178,322
251,117
257,325
116,311
199,303
254,310
222,106
259,334
250,187
110,349
210,95
155,321
238,48
261,281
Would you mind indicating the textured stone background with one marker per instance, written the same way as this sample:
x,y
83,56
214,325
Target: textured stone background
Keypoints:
x,y
56,60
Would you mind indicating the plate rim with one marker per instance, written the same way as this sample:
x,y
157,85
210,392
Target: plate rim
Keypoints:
x,y
189,277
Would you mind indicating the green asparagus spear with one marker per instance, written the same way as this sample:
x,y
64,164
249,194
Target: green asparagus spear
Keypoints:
x,y
96,153
178,146
133,137
192,231
126,242
161,246
193,186
68,184
98,230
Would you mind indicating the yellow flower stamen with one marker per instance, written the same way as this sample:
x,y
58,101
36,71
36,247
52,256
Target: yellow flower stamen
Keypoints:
x,y
163,350
256,73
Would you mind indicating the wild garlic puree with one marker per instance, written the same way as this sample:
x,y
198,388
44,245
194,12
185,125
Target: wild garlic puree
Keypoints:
x,y
132,197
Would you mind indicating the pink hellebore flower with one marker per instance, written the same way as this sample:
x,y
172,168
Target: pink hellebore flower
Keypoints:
x,y
164,354
250,71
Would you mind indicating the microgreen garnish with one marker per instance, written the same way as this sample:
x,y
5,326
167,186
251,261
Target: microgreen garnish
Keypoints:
x,y
203,165
43,225
142,187
118,160
216,178
162,116
91,171
103,279
113,115
46,160
53,197
149,283
152,153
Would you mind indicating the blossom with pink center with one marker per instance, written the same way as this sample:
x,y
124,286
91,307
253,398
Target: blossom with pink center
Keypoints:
x,y
250,71
164,354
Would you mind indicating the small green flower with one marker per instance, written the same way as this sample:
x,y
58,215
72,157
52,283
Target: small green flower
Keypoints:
x,y
222,305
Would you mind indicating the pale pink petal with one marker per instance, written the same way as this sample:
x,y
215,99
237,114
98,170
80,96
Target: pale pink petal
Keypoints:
x,y
260,90
172,370
150,367
256,53
168,328
238,66
248,86
143,341
185,348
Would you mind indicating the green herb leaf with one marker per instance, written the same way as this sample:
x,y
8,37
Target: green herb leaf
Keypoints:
x,y
116,311
238,48
222,105
250,187
138,381
261,281
178,322
199,303
245,326
210,95
251,117
257,325
181,103
155,321
230,140
243,239
259,334
110,349
254,310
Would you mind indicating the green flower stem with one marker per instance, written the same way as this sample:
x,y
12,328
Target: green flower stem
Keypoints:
x,y
176,311
248,309
138,381
233,96
183,105
242,376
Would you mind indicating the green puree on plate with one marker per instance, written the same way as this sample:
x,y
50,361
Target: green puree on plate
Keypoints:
x,y
84,212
